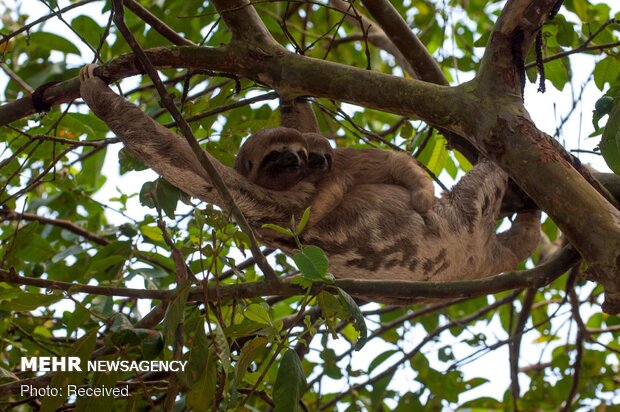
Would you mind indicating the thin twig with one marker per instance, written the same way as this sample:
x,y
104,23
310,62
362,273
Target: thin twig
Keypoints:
x,y
15,77
515,345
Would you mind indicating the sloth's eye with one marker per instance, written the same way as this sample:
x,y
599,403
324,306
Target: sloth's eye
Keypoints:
x,y
272,156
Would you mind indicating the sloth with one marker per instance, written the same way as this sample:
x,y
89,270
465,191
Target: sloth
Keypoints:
x,y
279,158
372,233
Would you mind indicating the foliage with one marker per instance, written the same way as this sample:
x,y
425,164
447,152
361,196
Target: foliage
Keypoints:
x,y
64,219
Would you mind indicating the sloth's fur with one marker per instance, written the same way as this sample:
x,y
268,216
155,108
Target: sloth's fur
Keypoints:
x,y
335,171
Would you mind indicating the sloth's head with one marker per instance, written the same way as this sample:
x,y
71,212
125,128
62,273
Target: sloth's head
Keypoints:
x,y
275,159
320,157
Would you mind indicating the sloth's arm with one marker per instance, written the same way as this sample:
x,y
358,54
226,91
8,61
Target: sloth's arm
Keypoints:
x,y
405,170
329,194
297,114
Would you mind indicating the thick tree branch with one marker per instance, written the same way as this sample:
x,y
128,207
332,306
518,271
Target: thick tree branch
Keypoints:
x,y
502,67
510,138
120,68
400,290
406,41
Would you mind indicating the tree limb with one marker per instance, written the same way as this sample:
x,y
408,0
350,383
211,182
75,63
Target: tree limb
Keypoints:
x,y
405,291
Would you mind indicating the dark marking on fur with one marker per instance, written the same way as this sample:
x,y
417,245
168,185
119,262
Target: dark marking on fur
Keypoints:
x,y
430,264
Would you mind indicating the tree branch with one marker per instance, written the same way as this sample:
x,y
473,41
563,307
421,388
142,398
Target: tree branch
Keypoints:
x,y
158,25
406,41
120,68
502,69
405,291
591,220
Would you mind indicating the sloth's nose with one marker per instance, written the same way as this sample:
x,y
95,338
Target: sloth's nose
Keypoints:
x,y
316,160
289,159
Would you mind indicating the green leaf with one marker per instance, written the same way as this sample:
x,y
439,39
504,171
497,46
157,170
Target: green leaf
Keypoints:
x,y
438,157
202,392
556,71
70,251
281,230
406,131
90,176
303,221
152,232
606,71
197,356
120,323
107,263
31,301
88,28
222,350
610,141
290,383
382,357
330,308
312,263
147,195
151,342
175,313
167,197
49,41
358,318
128,162
257,313
250,351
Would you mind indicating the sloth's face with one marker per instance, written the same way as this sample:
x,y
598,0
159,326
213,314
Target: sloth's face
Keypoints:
x,y
320,157
275,159
283,168
319,165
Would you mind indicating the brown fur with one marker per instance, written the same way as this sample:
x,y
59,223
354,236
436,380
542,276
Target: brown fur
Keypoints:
x,y
351,167
334,170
